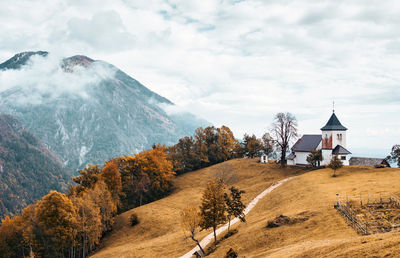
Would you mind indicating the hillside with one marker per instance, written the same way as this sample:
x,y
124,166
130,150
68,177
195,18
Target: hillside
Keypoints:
x,y
28,169
85,110
159,232
324,232
309,198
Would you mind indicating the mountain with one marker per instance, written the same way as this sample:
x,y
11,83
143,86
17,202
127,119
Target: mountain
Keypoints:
x,y
87,111
28,169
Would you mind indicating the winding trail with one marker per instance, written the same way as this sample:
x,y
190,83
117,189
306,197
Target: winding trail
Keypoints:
x,y
210,237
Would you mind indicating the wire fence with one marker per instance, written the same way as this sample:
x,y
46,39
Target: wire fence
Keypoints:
x,y
371,214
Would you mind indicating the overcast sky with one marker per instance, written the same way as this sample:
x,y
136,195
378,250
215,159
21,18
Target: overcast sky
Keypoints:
x,y
235,62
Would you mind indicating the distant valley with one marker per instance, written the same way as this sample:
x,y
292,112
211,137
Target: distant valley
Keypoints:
x,y
28,169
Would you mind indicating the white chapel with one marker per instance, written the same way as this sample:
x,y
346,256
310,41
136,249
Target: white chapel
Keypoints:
x,y
331,142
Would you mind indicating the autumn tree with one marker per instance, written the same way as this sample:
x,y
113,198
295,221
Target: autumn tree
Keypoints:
x,y
268,145
102,198
190,219
314,158
112,178
226,143
56,217
183,155
335,164
89,224
11,238
88,177
251,146
29,227
201,147
212,209
284,131
209,146
234,205
158,168
142,185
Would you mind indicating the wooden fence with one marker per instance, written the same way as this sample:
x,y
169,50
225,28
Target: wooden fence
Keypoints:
x,y
371,215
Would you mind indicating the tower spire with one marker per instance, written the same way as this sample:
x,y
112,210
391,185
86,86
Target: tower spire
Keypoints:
x,y
333,106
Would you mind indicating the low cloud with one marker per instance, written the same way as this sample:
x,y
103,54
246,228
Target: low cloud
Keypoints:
x,y
43,79
235,62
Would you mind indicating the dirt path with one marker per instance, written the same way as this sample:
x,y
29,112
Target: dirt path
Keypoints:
x,y
210,237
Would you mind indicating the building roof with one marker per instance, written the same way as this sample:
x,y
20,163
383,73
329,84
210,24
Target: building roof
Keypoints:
x,y
367,161
333,124
340,150
291,156
307,143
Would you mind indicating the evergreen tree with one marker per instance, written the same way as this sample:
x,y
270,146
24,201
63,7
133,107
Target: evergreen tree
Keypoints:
x,y
234,205
314,158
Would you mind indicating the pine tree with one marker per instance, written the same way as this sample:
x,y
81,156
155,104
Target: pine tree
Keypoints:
x,y
314,158
212,209
234,205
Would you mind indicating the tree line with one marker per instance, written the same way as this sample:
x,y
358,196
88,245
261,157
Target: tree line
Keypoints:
x,y
213,145
71,224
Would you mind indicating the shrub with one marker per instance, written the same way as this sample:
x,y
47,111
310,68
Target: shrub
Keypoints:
x,y
134,220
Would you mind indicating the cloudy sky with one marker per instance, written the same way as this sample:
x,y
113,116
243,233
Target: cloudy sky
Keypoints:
x,y
236,62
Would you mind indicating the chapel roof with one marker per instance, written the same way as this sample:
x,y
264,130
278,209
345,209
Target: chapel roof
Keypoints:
x,y
307,143
333,124
339,149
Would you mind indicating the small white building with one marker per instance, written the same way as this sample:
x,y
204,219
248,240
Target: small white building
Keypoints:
x,y
264,158
332,142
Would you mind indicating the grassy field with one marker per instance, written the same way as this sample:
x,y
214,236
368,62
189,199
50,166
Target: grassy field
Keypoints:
x,y
323,233
159,232
319,230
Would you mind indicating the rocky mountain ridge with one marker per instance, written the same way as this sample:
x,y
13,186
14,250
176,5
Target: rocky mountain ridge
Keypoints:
x,y
88,111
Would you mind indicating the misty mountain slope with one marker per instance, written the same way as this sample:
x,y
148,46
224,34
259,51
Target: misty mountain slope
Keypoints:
x,y
28,169
88,111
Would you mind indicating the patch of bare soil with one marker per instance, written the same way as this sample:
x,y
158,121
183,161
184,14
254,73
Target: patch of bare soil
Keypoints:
x,y
282,220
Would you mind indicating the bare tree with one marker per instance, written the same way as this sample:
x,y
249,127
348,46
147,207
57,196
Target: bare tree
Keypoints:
x,y
190,219
284,131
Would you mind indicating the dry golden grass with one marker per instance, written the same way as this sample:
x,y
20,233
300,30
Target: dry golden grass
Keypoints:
x,y
159,232
310,195
325,233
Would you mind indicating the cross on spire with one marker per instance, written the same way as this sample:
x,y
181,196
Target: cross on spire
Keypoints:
x,y
333,106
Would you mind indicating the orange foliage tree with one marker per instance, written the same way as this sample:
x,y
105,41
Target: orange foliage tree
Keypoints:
x,y
89,224
56,216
